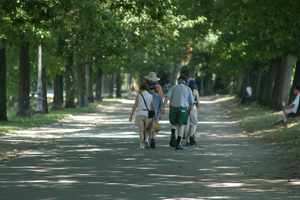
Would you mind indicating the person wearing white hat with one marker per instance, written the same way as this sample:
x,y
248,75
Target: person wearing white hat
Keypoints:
x,y
152,77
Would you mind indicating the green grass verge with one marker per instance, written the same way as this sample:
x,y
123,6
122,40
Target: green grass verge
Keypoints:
x,y
258,121
36,120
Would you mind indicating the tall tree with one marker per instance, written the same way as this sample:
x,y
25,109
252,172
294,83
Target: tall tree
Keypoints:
x,y
3,83
24,79
42,104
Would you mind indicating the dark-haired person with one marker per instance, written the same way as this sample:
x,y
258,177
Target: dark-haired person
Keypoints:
x,y
141,107
181,101
291,109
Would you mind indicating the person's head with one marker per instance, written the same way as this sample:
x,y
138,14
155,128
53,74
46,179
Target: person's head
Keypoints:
x,y
143,87
152,77
182,79
296,90
192,84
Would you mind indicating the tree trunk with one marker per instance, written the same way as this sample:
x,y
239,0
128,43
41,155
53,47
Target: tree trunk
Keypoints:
x,y
81,85
69,82
176,73
268,83
283,81
58,88
3,83
24,81
112,86
257,85
119,85
89,82
99,81
42,104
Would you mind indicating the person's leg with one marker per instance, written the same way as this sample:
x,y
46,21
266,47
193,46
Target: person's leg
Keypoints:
x,y
148,130
140,121
173,120
180,130
285,114
187,132
193,134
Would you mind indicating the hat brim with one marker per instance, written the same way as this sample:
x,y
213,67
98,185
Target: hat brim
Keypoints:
x,y
152,78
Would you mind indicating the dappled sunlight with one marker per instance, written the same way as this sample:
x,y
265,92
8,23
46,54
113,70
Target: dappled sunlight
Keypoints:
x,y
217,100
98,153
227,185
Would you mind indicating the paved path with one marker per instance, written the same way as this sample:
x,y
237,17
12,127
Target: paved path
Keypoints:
x,y
96,156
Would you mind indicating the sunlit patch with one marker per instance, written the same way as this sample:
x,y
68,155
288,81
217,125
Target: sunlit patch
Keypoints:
x,y
200,198
294,182
169,176
227,185
67,181
219,100
90,150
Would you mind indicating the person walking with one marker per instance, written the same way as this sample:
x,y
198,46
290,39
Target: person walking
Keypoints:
x,y
191,128
181,102
142,108
157,94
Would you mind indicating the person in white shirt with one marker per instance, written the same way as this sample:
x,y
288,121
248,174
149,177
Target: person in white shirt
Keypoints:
x,y
142,105
291,109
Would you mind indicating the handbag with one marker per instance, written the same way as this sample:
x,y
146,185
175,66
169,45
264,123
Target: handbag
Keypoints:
x,y
151,113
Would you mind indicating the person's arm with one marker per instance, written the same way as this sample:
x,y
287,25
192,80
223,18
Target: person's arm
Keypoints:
x,y
190,100
134,108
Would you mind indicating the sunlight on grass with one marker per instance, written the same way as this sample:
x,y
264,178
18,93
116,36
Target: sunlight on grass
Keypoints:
x,y
36,120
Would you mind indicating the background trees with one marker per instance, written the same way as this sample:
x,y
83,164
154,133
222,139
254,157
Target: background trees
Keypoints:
x,y
225,44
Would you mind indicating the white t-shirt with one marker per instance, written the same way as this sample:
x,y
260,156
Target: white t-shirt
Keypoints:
x,y
249,91
141,107
296,103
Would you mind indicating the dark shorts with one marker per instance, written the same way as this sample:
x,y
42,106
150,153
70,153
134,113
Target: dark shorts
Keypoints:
x,y
178,115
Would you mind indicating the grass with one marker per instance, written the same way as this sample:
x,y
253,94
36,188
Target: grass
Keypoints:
x,y
36,120
258,121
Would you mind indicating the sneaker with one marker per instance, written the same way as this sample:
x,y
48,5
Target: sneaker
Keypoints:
x,y
152,143
192,140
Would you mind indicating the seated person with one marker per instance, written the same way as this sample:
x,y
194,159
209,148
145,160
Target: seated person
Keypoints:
x,y
291,109
247,96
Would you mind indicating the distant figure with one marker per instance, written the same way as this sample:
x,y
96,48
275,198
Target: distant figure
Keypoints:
x,y
292,109
181,102
247,96
143,103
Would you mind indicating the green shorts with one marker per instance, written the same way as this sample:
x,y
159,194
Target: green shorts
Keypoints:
x,y
178,115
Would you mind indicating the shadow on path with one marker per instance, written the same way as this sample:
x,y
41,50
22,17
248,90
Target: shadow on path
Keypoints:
x,y
96,156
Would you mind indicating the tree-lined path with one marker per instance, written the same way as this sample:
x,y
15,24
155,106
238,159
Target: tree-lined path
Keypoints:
x,y
96,156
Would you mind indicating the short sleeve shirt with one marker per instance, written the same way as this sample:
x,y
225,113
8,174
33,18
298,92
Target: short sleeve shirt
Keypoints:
x,y
180,96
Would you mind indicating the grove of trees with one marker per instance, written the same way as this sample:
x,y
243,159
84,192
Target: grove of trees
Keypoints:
x,y
69,46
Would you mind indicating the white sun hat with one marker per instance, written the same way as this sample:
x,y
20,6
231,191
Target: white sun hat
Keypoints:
x,y
152,77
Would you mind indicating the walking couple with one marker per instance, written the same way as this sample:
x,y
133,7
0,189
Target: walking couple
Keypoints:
x,y
147,108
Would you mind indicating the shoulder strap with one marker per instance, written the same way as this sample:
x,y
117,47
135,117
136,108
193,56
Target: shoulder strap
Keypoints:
x,y
144,101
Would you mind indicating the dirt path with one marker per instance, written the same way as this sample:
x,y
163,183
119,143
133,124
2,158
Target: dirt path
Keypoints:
x,y
96,156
